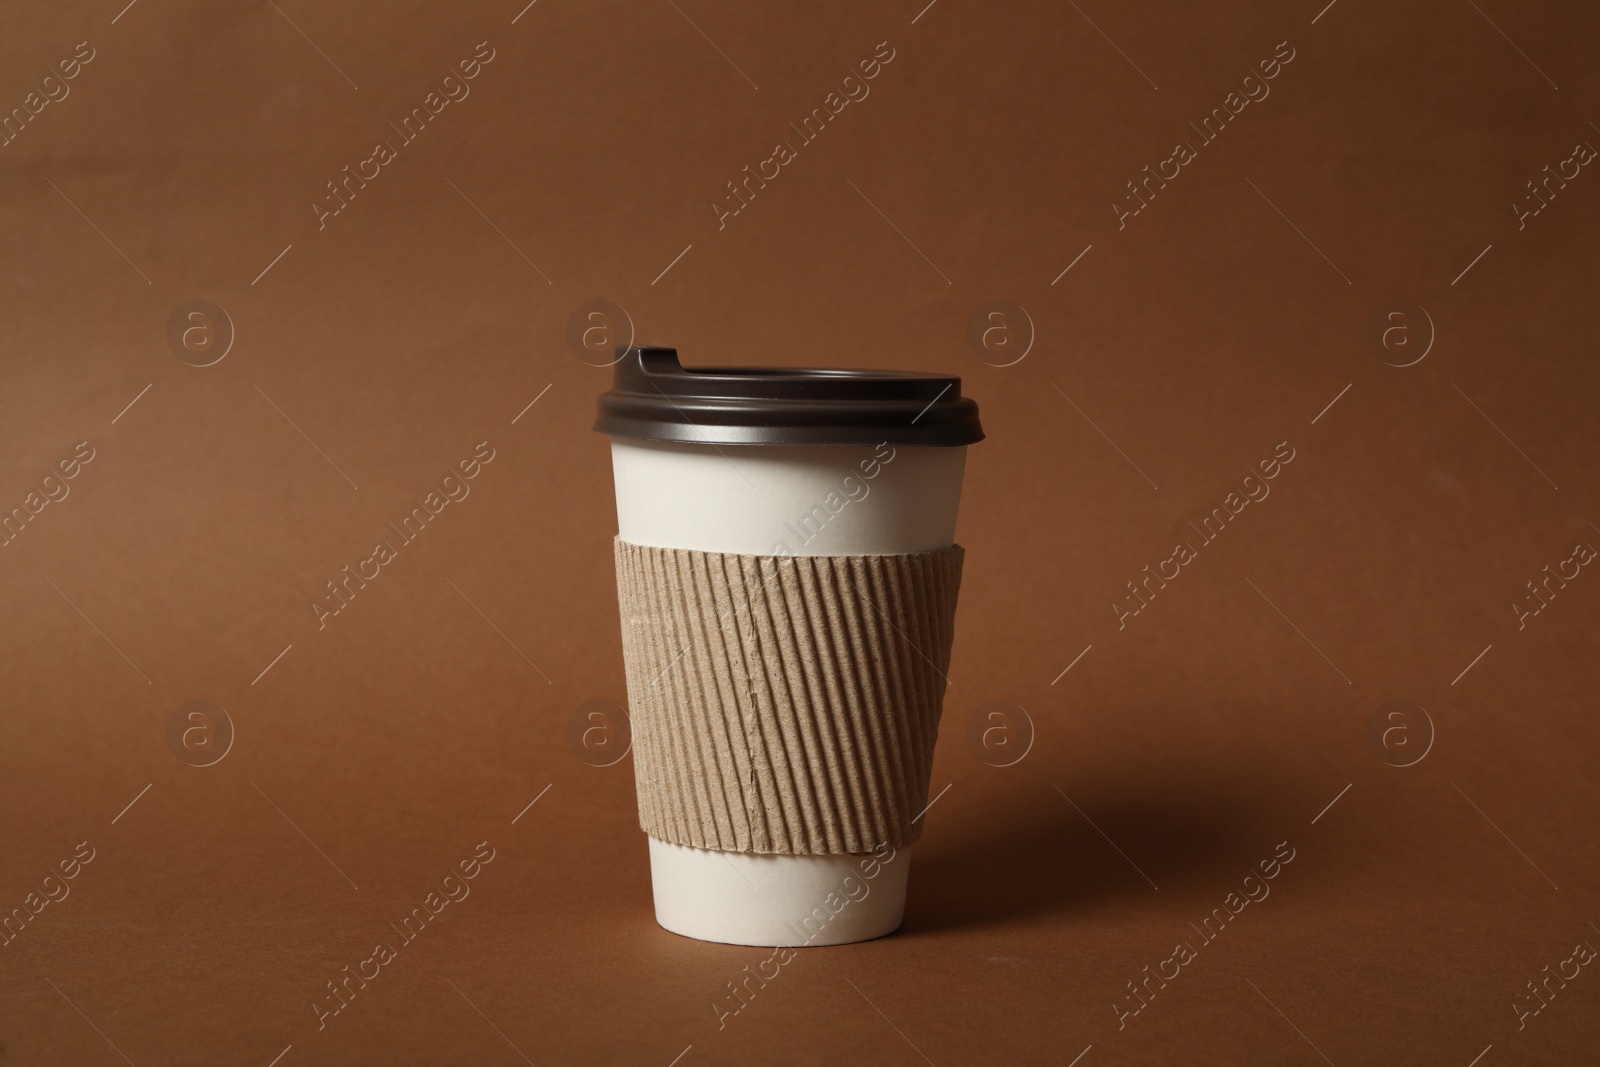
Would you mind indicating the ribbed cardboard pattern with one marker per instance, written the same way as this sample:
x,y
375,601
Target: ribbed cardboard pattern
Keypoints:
x,y
785,704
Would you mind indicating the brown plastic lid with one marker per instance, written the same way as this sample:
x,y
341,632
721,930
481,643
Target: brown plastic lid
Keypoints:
x,y
653,397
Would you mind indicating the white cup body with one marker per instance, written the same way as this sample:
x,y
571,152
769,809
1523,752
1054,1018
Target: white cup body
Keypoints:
x,y
775,500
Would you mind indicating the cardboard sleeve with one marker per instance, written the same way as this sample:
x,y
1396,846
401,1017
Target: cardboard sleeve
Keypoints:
x,y
785,704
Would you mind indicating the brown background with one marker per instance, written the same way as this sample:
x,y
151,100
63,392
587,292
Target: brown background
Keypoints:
x,y
1198,337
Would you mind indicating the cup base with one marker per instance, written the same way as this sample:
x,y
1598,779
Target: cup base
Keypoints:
x,y
739,898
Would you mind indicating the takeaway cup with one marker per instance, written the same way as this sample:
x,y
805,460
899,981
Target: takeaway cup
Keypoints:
x,y
797,483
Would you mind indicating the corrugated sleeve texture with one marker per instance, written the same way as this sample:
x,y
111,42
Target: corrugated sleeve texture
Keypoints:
x,y
785,704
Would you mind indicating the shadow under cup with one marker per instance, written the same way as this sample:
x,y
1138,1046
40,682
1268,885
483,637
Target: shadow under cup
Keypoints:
x,y
776,463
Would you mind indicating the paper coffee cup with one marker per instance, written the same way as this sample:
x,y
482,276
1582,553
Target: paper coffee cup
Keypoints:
x,y
793,530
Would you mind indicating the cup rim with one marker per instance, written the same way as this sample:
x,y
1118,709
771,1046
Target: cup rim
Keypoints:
x,y
655,398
